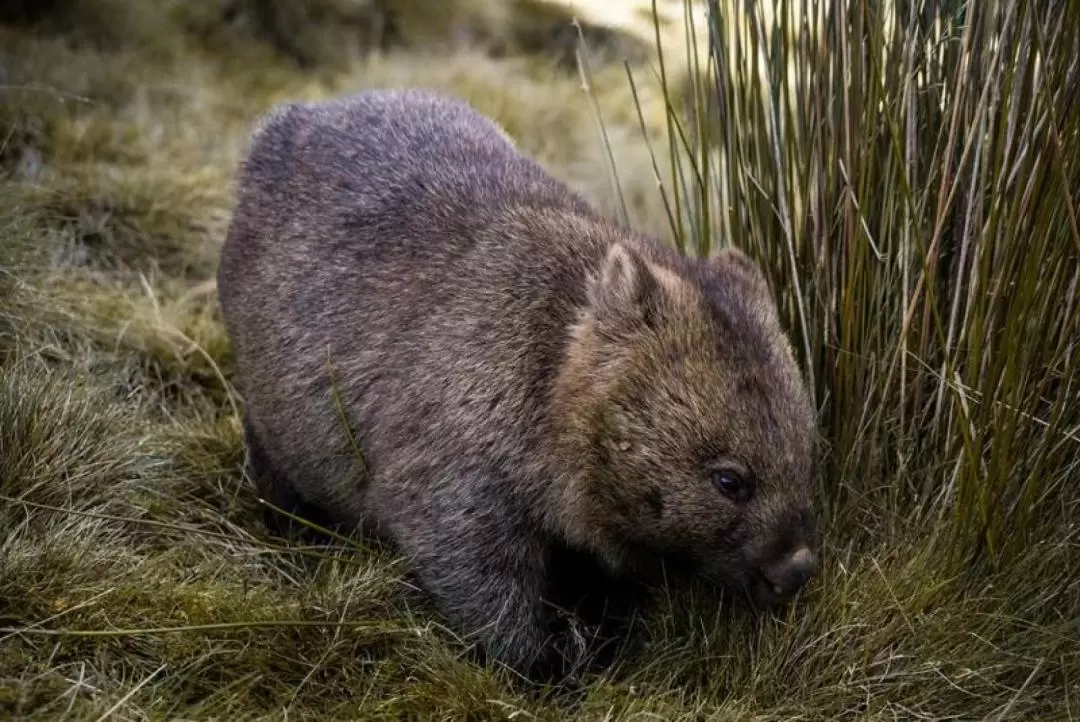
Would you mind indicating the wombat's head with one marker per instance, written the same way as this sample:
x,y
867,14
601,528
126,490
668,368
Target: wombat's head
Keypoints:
x,y
685,406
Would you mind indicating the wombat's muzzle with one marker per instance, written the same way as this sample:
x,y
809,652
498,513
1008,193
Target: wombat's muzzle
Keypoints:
x,y
779,581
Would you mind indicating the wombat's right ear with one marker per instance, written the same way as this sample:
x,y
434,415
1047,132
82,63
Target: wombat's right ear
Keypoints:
x,y
625,289
732,263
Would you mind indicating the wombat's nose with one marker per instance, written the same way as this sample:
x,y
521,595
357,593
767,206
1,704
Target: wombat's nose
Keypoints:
x,y
789,574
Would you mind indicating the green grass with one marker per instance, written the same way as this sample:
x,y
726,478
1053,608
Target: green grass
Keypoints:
x,y
910,184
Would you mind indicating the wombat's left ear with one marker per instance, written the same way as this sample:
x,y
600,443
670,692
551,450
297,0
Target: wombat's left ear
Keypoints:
x,y
626,290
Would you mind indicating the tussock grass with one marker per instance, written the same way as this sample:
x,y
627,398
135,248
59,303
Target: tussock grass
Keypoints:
x,y
908,178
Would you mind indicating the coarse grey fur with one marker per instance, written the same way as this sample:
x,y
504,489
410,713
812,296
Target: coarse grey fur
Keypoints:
x,y
522,375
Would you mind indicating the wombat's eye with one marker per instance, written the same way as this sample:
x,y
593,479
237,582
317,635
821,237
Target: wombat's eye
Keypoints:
x,y
732,483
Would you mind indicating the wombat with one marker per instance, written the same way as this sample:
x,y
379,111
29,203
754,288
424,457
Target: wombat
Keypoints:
x,y
523,377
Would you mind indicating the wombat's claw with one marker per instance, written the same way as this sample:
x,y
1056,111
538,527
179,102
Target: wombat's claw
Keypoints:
x,y
577,646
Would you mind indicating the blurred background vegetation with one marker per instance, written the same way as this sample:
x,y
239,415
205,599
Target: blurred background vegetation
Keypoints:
x,y
906,173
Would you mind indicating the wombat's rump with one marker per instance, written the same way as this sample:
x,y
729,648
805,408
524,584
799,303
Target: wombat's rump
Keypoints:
x,y
523,376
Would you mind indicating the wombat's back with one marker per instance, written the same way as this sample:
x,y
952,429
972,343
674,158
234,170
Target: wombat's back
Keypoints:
x,y
399,241
382,174
386,151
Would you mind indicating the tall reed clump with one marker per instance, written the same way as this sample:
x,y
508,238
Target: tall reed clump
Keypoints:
x,y
909,177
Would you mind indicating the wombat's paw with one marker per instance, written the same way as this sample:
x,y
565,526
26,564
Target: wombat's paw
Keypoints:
x,y
577,650
575,644
561,660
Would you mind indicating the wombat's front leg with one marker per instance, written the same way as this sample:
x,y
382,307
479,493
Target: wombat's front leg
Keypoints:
x,y
490,583
275,487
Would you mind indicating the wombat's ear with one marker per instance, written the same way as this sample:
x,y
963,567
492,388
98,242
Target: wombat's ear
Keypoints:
x,y
625,289
734,265
737,272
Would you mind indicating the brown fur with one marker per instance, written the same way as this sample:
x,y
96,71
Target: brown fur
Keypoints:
x,y
531,385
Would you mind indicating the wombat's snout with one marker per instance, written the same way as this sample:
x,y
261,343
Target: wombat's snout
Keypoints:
x,y
788,575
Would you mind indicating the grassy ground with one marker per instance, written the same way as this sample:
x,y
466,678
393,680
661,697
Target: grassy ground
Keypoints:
x,y
909,182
